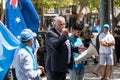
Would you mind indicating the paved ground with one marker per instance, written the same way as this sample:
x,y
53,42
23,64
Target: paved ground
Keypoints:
x,y
115,75
89,76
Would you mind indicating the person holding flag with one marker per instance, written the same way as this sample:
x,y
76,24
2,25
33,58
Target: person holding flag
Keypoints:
x,y
24,61
18,16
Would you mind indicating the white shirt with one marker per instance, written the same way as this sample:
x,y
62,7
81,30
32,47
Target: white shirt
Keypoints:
x,y
67,42
23,64
107,38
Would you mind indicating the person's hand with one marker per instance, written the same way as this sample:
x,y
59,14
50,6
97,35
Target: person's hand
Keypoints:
x,y
65,31
41,68
82,48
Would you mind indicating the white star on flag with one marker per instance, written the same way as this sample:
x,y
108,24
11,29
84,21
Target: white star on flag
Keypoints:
x,y
17,19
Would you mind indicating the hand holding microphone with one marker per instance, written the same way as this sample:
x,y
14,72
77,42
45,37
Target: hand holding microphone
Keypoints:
x,y
65,31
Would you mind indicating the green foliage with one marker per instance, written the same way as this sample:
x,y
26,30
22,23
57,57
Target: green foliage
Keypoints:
x,y
91,4
94,4
117,3
47,4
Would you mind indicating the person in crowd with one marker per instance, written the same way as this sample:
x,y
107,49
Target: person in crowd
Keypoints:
x,y
87,35
117,44
24,61
97,68
107,43
87,40
77,72
58,50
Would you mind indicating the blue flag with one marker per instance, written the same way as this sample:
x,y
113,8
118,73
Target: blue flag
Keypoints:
x,y
8,44
30,15
21,14
14,18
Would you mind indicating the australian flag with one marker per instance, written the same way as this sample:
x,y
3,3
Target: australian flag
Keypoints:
x,y
21,14
30,15
8,44
14,19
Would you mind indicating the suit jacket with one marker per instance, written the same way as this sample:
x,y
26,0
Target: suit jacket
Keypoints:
x,y
57,51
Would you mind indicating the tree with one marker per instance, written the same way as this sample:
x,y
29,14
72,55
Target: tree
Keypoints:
x,y
42,6
48,4
94,4
117,3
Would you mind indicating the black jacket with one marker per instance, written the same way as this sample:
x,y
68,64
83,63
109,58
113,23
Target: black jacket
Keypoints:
x,y
57,51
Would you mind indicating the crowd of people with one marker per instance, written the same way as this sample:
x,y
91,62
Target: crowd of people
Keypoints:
x,y
62,48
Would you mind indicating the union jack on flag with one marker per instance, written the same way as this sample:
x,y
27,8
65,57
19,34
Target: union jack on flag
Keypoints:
x,y
14,3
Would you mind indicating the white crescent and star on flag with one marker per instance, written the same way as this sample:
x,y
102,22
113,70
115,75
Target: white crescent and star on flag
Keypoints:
x,y
5,44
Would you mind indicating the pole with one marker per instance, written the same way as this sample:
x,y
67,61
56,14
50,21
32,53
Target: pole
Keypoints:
x,y
104,12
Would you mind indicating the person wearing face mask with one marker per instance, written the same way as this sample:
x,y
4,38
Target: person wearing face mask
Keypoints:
x,y
107,43
78,70
59,50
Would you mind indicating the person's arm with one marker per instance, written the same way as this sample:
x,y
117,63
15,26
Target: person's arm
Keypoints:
x,y
108,44
53,39
36,48
27,66
78,49
111,43
104,43
101,41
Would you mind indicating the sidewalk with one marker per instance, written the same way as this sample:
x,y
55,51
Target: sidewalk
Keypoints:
x,y
115,75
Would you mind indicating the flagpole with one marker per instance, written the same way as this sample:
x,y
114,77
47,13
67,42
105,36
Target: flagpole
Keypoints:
x,y
3,10
4,4
2,16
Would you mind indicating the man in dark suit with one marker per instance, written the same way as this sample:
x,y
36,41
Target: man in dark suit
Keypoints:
x,y
58,50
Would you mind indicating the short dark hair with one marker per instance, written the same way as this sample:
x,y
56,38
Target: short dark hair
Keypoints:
x,y
77,27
